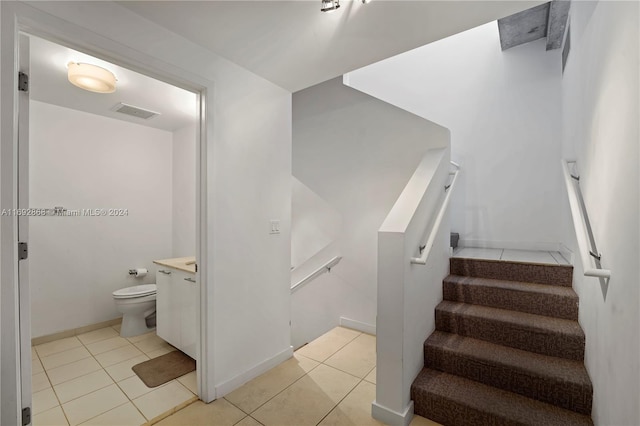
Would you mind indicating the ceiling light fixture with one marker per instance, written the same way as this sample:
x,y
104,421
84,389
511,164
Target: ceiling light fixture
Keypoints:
x,y
329,5
91,77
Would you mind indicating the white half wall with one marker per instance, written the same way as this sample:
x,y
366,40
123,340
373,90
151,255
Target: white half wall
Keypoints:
x,y
356,153
85,161
408,293
184,191
503,110
600,129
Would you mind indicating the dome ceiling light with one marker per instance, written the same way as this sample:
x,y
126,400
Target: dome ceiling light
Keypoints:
x,y
91,77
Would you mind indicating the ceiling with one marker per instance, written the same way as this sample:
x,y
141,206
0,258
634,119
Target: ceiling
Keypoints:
x,y
48,83
294,45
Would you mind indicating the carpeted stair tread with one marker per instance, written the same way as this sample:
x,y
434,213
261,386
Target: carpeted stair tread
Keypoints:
x,y
539,299
539,273
521,330
453,400
558,381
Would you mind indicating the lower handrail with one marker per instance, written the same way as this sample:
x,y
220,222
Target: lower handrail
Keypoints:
x,y
321,270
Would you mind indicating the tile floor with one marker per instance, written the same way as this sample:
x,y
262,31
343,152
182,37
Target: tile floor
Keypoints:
x,y
87,379
551,257
330,381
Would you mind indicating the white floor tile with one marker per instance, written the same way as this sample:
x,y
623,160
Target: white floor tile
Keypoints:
x,y
122,370
124,415
107,345
115,356
162,351
528,256
97,335
559,258
89,406
39,381
44,400
478,253
71,371
82,385
36,366
51,417
133,387
61,345
163,399
190,381
65,357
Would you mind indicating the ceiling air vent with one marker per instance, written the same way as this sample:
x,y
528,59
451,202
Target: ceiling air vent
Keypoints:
x,y
134,111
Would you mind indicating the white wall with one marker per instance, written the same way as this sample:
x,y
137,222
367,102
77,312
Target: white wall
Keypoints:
x,y
314,223
356,153
600,129
503,110
84,161
184,192
248,180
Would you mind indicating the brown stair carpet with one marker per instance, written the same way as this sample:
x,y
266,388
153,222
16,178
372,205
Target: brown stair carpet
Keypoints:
x,y
456,401
535,333
540,299
507,350
559,381
513,271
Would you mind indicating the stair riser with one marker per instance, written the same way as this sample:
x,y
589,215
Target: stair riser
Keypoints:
x,y
451,413
547,389
513,271
508,334
533,303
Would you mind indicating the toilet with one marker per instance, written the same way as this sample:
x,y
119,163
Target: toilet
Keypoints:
x,y
136,304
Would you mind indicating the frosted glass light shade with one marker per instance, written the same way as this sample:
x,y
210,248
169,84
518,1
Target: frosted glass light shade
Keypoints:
x,y
91,77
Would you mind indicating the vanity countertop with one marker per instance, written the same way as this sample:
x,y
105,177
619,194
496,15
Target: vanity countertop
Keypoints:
x,y
179,263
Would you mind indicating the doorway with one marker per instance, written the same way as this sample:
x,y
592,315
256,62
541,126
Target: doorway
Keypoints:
x,y
111,188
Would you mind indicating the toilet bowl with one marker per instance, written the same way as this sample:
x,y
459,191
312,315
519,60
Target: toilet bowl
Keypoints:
x,y
136,304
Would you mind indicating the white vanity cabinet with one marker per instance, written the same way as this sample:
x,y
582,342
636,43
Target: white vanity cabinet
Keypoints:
x,y
176,298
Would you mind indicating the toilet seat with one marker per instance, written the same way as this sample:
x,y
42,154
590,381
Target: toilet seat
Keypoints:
x,y
135,291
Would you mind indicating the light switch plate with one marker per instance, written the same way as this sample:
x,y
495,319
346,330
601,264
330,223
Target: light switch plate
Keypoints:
x,y
275,227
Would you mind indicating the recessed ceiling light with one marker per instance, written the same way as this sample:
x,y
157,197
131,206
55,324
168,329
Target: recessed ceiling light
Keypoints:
x,y
329,5
91,77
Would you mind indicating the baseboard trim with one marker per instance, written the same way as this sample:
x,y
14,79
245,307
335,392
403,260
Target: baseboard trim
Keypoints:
x,y
74,332
358,325
390,417
511,245
230,385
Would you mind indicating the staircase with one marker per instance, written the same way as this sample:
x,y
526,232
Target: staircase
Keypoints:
x,y
507,350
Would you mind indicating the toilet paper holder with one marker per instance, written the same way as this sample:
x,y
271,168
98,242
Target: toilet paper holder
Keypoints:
x,y
138,272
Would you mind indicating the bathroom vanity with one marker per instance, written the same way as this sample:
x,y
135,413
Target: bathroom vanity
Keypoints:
x,y
176,302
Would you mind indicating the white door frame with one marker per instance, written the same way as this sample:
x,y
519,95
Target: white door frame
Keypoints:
x,y
18,17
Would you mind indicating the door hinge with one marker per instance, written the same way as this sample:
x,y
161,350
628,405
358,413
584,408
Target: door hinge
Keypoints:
x,y
196,267
23,82
26,416
23,251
